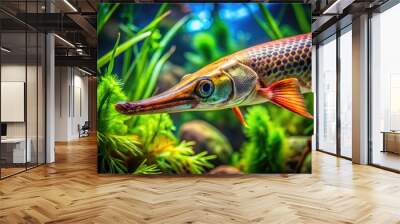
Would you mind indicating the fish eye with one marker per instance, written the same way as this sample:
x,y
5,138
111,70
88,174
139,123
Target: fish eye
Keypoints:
x,y
205,88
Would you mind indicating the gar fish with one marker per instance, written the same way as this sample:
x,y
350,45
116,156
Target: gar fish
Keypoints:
x,y
277,71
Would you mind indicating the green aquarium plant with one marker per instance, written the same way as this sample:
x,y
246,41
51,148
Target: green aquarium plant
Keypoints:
x,y
104,14
212,44
179,159
273,25
264,150
114,144
140,144
161,147
149,57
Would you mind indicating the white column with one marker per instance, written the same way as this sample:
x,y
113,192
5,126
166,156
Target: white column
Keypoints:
x,y
360,90
50,100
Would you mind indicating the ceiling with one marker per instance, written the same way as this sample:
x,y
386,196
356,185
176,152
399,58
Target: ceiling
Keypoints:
x,y
329,15
75,22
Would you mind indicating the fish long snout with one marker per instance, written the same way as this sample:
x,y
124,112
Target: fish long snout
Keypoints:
x,y
174,100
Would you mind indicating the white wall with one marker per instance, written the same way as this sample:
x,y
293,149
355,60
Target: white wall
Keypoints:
x,y
71,102
16,73
12,73
33,127
80,110
62,81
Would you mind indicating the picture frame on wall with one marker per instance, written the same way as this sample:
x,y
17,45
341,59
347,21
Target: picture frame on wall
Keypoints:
x,y
213,88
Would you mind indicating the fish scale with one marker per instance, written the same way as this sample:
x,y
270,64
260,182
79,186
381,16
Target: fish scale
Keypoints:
x,y
280,59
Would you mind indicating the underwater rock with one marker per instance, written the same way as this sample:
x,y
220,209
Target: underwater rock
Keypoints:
x,y
207,138
225,170
297,145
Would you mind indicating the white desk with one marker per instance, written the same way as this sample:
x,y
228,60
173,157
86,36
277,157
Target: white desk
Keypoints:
x,y
18,144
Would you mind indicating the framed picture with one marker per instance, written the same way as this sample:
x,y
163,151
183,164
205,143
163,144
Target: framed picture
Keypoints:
x,y
211,88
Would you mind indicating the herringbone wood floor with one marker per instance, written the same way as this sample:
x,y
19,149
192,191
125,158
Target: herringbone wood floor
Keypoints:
x,y
70,191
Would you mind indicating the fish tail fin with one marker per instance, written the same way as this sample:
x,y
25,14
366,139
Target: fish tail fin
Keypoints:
x,y
286,93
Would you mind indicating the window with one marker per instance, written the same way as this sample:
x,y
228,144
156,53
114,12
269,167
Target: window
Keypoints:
x,y
22,101
346,92
385,89
327,95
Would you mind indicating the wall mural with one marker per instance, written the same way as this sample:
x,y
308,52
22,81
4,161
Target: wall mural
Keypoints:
x,y
204,88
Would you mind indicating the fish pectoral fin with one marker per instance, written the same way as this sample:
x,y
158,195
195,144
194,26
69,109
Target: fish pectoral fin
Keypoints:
x,y
286,93
239,115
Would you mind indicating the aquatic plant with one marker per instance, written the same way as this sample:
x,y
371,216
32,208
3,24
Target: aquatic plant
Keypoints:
x,y
140,144
161,147
143,168
180,158
104,14
303,17
121,48
212,44
264,150
114,143
274,27
150,56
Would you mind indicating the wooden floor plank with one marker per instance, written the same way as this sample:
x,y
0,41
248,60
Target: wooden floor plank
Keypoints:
x,y
71,191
